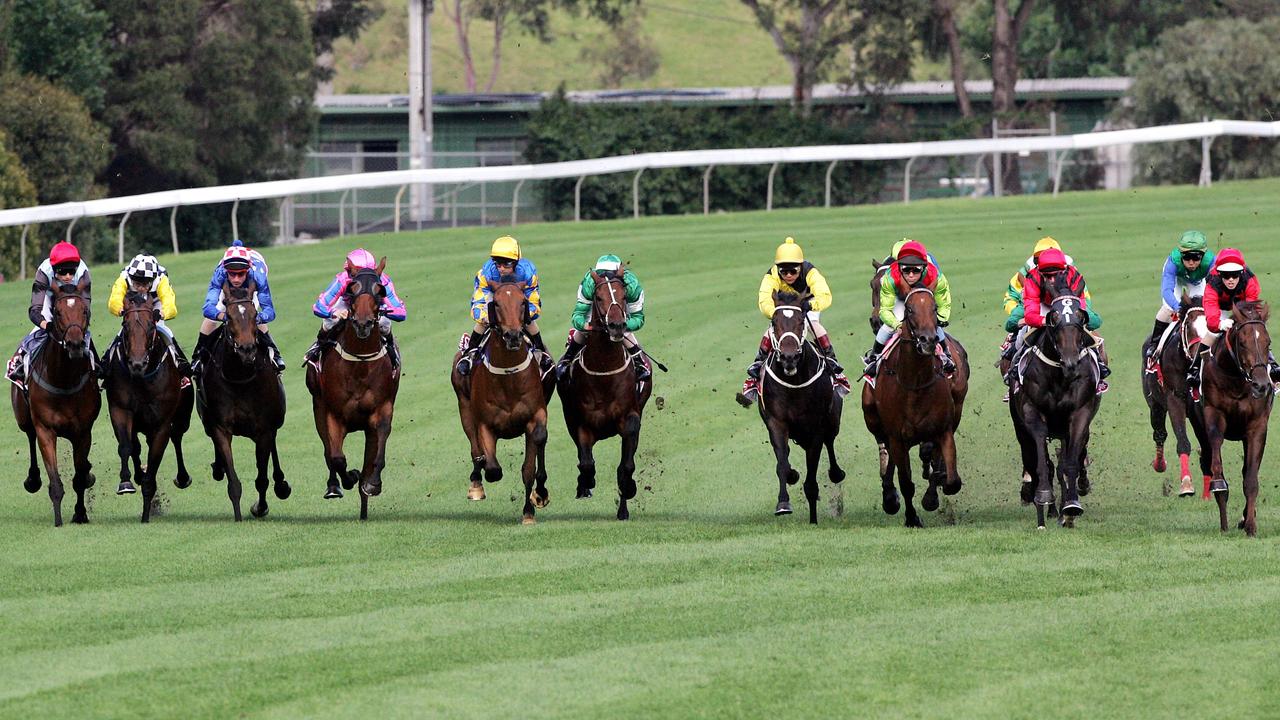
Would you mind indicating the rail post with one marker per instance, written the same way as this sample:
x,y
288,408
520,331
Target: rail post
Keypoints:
x,y
120,242
173,228
706,190
342,213
515,201
768,193
70,225
235,226
577,198
635,194
22,257
399,195
826,193
906,181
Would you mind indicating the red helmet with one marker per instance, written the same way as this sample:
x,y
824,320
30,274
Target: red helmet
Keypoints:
x,y
1051,259
912,249
1229,260
63,253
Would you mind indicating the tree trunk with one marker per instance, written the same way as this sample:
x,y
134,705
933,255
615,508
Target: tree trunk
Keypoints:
x,y
1004,79
460,23
499,23
946,14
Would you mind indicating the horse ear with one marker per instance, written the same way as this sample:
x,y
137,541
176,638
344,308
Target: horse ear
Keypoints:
x,y
83,283
382,265
875,264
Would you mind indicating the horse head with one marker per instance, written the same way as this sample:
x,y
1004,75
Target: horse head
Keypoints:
x,y
1250,343
787,328
920,318
509,313
1066,324
138,330
364,295
241,325
71,312
609,304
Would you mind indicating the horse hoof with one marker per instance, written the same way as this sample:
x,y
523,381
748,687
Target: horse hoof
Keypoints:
x,y
627,489
1159,465
475,492
539,501
492,475
624,514
1044,497
1027,493
1071,508
930,500
1240,525
836,475
784,508
258,511
126,488
914,522
283,491
793,476
1187,489
583,493
182,481
370,489
79,519
31,484
333,493
890,503
1218,486
217,470
349,479
528,520
89,480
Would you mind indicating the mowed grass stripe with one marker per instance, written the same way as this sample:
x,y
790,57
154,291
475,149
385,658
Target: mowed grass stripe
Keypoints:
x,y
705,604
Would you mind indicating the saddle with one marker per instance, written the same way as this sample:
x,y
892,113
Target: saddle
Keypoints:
x,y
1031,349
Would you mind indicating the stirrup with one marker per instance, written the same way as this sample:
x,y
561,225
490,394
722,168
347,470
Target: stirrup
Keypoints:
x,y
749,394
841,384
465,364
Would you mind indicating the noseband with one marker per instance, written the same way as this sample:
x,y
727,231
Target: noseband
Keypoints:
x,y
613,284
60,336
1235,357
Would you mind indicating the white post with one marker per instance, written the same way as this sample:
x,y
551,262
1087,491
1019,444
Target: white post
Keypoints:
x,y
1206,170
1057,175
284,228
421,129
997,182
515,201
826,195
635,194
22,261
235,226
1053,154
706,190
399,194
342,213
768,193
977,175
906,181
120,244
71,225
577,198
173,228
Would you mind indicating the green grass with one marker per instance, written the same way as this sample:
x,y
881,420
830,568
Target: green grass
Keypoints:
x,y
704,604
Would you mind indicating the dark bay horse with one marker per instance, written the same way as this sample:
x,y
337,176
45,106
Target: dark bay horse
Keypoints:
x,y
1237,394
798,403
912,402
879,269
1167,396
62,399
504,397
145,395
241,394
1056,398
599,392
354,390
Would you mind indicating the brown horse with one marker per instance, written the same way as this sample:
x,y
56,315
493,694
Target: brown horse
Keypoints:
x,y
354,389
506,397
798,402
913,403
599,392
1237,394
241,394
62,399
145,395
879,269
1167,396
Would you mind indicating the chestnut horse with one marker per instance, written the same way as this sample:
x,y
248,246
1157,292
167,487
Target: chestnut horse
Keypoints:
x,y
599,392
1237,394
355,390
504,397
798,402
145,395
1167,396
242,394
62,399
911,402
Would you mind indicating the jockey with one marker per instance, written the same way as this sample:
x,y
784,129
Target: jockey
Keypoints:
x,y
911,269
1013,309
331,306
1051,262
792,273
64,267
1231,281
145,274
893,255
1185,271
609,266
505,264
239,264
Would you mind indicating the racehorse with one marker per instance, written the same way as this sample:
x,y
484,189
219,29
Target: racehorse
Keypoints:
x,y
912,402
1237,394
599,392
506,397
241,394
1056,398
797,402
145,395
354,389
879,269
1167,395
61,399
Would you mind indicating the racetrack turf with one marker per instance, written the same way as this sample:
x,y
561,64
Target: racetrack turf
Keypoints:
x,y
704,604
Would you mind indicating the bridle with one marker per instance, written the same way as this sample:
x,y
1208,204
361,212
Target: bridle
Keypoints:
x,y
614,284
1235,357
908,316
138,314
1059,308
60,336
364,282
776,341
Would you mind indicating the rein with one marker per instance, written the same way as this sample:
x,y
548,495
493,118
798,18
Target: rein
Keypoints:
x,y
776,353
1235,357
227,342
597,313
151,341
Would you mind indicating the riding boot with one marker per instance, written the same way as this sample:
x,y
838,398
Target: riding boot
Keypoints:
x,y
948,363
544,358
393,350
184,366
105,369
17,370
1273,369
1193,376
571,352
871,360
1156,333
751,386
99,369
637,362
469,355
276,358
1008,348
204,343
324,339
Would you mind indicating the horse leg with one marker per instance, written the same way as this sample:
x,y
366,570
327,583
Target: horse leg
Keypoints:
x,y
786,475
122,424
535,435
948,445
82,480
261,453
1039,432
336,459
32,483
1027,451
585,440
835,473
889,499
375,448
812,455
224,459
900,456
49,453
1069,464
627,466
1178,418
138,470
1255,443
155,455
1157,403
1218,486
282,489
928,460
489,452
182,479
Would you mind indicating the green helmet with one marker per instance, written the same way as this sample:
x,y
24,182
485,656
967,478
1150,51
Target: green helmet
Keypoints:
x,y
1193,241
611,263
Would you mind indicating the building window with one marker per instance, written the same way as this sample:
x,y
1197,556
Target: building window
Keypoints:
x,y
501,150
380,155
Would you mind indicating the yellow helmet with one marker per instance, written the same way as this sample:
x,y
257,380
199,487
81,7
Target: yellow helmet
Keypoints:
x,y
1045,243
505,247
898,246
788,252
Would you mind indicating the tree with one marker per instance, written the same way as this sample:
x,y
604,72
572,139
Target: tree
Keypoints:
x,y
50,129
334,19
1227,68
62,41
530,16
16,191
631,54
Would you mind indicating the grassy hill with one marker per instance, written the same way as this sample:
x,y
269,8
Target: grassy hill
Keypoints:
x,y
700,43
704,604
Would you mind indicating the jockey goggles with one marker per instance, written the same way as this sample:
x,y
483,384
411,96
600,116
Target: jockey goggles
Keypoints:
x,y
788,269
1192,255
64,269
1230,274
503,261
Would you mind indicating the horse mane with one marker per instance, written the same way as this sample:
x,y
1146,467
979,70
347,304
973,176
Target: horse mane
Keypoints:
x,y
787,297
1255,310
1057,285
137,298
244,292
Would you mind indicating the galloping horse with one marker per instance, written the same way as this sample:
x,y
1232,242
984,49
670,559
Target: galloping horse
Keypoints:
x,y
1237,395
798,403
913,403
1056,398
1167,395
599,392
61,400
506,397
878,270
354,389
241,394
145,395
